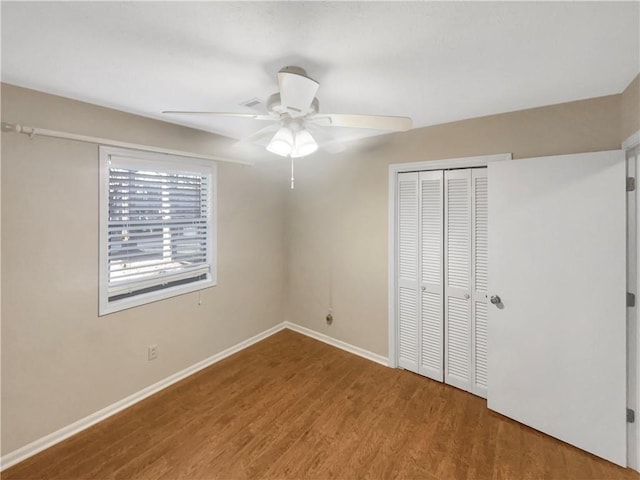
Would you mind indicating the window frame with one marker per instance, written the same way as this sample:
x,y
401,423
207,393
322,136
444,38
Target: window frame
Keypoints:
x,y
162,162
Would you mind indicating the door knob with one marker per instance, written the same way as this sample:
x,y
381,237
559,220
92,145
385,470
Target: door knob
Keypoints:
x,y
467,296
495,299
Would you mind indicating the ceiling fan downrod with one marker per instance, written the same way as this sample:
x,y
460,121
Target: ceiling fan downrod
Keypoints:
x,y
292,179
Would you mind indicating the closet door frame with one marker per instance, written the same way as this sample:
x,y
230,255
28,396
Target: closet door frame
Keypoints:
x,y
394,170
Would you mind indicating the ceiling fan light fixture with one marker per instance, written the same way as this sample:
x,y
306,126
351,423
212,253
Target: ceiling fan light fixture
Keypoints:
x,y
305,144
282,142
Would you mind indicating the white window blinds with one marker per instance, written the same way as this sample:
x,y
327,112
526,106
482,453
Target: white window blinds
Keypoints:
x,y
157,228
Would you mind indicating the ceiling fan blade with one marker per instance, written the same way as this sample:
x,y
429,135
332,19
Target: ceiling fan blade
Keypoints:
x,y
377,122
325,140
268,131
296,92
255,116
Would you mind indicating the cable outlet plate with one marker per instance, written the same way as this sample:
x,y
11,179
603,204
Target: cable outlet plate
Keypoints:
x,y
152,352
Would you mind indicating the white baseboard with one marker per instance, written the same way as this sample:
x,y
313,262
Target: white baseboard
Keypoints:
x,y
361,352
47,441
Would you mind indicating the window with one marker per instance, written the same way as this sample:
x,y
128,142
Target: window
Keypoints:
x,y
157,227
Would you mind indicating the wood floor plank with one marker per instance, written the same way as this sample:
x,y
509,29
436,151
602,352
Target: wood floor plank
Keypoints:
x,y
292,407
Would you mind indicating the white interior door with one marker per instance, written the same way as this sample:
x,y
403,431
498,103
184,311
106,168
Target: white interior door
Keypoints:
x,y
430,246
479,279
457,279
557,346
408,269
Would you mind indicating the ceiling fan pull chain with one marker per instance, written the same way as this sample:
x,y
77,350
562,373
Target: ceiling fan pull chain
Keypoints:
x,y
292,179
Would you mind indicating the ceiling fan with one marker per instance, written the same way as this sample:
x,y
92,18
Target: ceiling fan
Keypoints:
x,y
295,109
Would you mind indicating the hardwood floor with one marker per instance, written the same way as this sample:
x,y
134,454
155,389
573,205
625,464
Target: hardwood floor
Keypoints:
x,y
292,407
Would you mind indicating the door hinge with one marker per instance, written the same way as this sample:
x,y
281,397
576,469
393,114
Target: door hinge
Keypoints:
x,y
631,299
631,415
631,184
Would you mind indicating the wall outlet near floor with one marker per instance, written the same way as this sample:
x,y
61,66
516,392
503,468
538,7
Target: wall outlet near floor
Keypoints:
x,y
153,352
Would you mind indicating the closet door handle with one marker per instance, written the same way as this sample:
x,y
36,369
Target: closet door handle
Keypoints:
x,y
467,296
495,299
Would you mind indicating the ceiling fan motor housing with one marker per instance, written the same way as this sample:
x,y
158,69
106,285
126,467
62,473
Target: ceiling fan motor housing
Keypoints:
x,y
274,105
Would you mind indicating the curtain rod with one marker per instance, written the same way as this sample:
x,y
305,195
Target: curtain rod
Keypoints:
x,y
32,131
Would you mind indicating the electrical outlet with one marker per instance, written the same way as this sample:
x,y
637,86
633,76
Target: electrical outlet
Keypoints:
x,y
153,352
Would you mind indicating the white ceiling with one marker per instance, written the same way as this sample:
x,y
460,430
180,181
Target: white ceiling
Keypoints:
x,y
433,61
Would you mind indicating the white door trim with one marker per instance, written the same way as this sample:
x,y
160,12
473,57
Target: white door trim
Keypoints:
x,y
394,170
633,432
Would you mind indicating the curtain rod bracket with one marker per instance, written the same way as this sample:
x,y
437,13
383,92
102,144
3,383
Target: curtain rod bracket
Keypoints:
x,y
17,128
11,127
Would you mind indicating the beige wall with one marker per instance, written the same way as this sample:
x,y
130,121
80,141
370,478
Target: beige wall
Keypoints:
x,y
630,109
294,254
337,216
60,361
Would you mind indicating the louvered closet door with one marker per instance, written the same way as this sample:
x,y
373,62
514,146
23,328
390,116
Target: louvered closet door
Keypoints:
x,y
408,272
479,279
457,278
431,267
